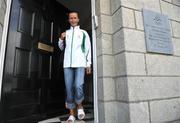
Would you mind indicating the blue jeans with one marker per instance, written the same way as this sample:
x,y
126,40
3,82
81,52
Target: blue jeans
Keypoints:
x,y
74,81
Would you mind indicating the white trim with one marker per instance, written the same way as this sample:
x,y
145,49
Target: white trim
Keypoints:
x,y
93,14
4,41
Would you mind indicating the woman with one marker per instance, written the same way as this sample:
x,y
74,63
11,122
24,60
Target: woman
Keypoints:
x,y
77,60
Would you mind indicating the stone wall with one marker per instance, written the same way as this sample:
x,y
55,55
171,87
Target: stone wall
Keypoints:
x,y
105,59
2,15
135,86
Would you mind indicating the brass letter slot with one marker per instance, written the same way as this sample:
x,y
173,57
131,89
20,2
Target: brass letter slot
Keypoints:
x,y
45,47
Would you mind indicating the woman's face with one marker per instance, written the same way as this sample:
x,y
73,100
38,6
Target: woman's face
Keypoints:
x,y
73,19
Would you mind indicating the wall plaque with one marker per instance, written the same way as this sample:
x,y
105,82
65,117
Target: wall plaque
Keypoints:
x,y
157,32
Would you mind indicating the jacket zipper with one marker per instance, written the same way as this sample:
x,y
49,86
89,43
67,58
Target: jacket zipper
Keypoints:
x,y
71,47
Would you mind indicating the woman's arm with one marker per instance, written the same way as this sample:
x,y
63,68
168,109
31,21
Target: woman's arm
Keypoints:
x,y
61,44
61,41
88,50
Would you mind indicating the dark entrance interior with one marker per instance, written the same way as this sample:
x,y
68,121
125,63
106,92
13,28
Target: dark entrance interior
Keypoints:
x,y
33,81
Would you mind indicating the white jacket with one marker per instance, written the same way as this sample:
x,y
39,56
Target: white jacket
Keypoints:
x,y
74,55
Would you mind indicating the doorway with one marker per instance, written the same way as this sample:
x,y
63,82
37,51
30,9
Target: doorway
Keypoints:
x,y
33,82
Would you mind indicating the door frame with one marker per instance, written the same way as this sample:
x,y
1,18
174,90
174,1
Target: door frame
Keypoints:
x,y
95,93
4,41
3,50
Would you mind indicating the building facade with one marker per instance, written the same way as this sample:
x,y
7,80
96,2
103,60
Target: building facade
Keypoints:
x,y
134,86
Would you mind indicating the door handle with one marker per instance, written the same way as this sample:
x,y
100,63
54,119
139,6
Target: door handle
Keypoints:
x,y
45,47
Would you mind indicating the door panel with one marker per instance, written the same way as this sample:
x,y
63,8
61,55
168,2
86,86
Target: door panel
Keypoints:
x,y
45,31
44,60
22,63
26,21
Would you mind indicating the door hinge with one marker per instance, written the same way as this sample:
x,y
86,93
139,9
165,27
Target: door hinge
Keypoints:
x,y
95,20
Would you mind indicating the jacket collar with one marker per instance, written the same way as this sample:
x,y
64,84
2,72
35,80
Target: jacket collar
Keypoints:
x,y
76,27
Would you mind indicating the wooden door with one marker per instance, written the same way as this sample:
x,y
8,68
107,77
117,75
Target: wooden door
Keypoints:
x,y
32,85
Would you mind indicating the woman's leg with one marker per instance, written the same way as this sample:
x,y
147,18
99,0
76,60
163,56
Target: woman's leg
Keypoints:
x,y
79,82
69,82
70,103
79,92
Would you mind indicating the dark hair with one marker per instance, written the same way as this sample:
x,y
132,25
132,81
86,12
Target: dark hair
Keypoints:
x,y
74,12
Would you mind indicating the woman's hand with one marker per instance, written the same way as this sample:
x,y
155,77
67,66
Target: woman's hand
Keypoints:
x,y
63,35
88,70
